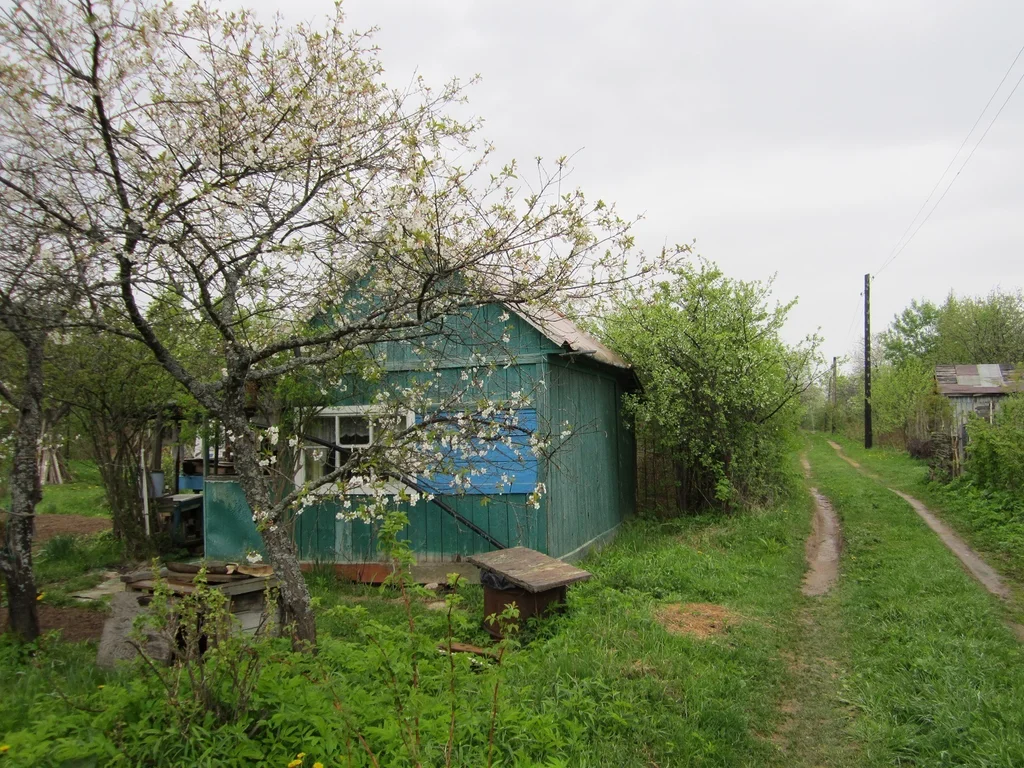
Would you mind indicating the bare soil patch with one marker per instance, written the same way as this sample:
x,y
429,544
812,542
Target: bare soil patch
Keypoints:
x,y
74,624
48,526
701,620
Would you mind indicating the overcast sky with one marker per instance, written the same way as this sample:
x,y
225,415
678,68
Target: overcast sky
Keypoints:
x,y
791,137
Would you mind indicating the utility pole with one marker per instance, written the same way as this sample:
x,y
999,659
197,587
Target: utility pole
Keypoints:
x,y
835,395
867,361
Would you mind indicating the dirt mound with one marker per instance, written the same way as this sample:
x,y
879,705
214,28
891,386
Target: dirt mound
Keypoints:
x,y
48,526
74,623
696,619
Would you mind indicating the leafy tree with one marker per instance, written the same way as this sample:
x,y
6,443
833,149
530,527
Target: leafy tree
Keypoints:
x,y
995,453
116,391
721,389
905,404
257,177
987,329
913,334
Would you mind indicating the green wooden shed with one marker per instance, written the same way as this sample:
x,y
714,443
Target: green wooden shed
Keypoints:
x,y
590,481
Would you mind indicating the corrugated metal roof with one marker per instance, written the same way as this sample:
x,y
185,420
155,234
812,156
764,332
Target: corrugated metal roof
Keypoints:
x,y
564,332
982,379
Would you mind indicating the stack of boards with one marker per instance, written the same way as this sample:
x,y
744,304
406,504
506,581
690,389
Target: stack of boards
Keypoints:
x,y
246,586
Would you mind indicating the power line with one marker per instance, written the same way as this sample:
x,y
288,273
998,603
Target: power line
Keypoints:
x,y
897,249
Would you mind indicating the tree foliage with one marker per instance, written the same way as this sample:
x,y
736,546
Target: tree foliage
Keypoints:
x,y
117,392
253,177
960,331
721,390
41,281
913,334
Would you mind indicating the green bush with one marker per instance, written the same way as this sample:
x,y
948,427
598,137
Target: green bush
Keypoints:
x,y
721,389
995,453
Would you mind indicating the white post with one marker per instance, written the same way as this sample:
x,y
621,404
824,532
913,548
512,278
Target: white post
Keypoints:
x,y
145,487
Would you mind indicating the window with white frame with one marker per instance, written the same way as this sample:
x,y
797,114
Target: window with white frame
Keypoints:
x,y
348,427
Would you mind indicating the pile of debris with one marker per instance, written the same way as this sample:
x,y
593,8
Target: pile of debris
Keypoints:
x,y
181,578
245,586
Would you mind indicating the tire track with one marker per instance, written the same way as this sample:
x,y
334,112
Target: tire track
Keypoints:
x,y
823,545
972,562
985,574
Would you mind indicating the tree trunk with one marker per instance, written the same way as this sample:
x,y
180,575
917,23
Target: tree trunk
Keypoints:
x,y
276,533
16,557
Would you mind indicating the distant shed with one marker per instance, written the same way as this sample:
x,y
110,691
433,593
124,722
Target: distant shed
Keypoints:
x,y
977,389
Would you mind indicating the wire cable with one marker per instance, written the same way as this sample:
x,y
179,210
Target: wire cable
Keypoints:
x,y
897,249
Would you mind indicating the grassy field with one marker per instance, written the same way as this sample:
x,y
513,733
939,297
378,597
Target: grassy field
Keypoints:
x,y
83,496
935,676
993,523
67,564
605,684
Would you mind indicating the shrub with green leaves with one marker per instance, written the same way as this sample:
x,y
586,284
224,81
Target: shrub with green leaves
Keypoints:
x,y
995,453
721,389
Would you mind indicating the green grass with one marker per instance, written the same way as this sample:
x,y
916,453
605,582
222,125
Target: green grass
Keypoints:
x,y
32,675
992,522
608,682
936,678
84,496
67,564
603,684
633,694
906,662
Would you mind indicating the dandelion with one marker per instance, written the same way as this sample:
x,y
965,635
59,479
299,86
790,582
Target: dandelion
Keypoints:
x,y
4,748
295,763
318,764
40,596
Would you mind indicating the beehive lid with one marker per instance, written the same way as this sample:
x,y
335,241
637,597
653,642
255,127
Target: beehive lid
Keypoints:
x,y
530,569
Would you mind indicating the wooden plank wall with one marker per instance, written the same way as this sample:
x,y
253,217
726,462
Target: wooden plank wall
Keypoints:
x,y
590,481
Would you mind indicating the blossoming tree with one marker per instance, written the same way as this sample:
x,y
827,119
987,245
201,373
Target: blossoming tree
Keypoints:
x,y
265,180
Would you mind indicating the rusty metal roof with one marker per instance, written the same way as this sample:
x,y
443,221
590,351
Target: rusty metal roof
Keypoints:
x,y
982,379
564,332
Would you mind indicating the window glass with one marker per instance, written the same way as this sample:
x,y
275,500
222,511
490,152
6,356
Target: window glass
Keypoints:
x,y
353,430
322,428
315,469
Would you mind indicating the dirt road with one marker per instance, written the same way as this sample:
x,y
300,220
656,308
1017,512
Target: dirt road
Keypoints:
x,y
975,565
